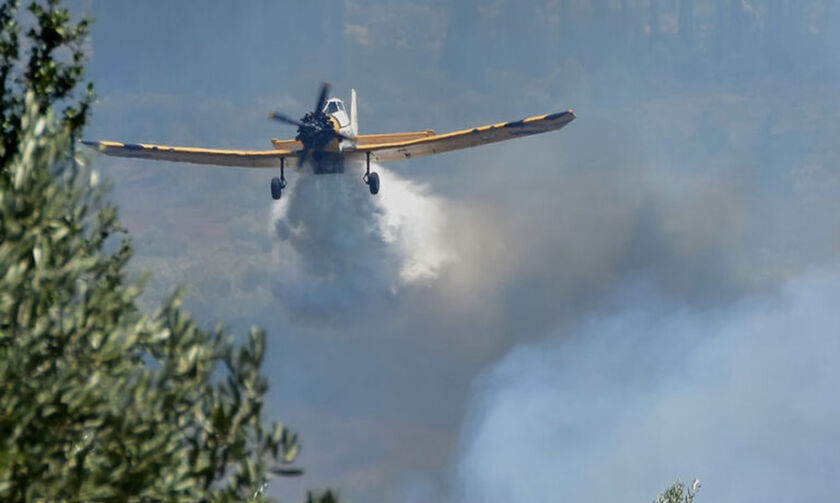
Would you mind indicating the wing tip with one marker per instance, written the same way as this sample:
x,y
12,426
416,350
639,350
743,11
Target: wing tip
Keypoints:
x,y
94,145
568,114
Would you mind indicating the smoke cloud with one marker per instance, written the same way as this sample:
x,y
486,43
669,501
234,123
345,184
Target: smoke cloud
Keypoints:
x,y
741,397
340,249
704,160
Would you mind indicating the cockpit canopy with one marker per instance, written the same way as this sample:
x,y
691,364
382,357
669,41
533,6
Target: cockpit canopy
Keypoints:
x,y
334,106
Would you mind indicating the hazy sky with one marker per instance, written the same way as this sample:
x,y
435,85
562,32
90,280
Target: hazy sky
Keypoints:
x,y
641,297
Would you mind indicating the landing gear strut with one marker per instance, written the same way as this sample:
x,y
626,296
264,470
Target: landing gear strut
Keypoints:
x,y
278,184
371,179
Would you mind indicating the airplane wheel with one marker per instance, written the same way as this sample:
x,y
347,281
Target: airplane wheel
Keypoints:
x,y
276,188
373,183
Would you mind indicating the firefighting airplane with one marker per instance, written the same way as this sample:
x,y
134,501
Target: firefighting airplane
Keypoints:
x,y
328,137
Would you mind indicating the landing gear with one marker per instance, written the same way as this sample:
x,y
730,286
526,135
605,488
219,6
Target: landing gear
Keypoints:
x,y
276,187
371,179
278,184
373,183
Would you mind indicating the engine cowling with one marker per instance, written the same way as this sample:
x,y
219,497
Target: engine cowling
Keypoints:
x,y
317,131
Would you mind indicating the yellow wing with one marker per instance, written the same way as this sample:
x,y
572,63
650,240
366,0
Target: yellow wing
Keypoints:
x,y
382,147
219,157
378,139
286,144
429,144
363,139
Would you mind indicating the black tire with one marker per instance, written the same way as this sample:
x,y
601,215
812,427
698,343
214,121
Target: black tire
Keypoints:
x,y
373,183
276,188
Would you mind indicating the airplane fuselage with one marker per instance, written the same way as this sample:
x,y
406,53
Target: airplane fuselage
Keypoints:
x,y
329,160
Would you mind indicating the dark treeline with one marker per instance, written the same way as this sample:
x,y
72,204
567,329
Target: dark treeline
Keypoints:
x,y
568,47
693,37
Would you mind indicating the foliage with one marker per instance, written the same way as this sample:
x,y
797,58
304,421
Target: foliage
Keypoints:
x,y
53,71
325,497
99,401
678,493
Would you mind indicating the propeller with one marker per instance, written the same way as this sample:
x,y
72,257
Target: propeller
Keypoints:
x,y
322,97
315,129
284,118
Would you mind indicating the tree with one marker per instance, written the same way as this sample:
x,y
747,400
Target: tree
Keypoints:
x,y
738,23
655,20
678,493
722,28
53,71
100,401
686,20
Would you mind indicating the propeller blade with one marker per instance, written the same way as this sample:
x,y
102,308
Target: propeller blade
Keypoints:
x,y
343,136
322,98
283,118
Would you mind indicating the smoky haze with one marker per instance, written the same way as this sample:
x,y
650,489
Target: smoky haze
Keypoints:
x,y
694,198
651,391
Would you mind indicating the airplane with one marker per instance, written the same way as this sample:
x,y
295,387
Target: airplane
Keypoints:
x,y
328,137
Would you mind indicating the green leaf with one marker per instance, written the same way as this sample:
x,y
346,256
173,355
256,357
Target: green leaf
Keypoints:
x,y
101,401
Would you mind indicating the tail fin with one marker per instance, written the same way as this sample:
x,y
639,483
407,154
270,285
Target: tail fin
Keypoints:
x,y
354,120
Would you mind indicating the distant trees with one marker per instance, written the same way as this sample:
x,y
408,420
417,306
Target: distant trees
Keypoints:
x,y
686,21
726,35
654,20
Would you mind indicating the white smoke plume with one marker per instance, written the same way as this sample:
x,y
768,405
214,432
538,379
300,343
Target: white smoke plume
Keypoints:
x,y
742,397
339,248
